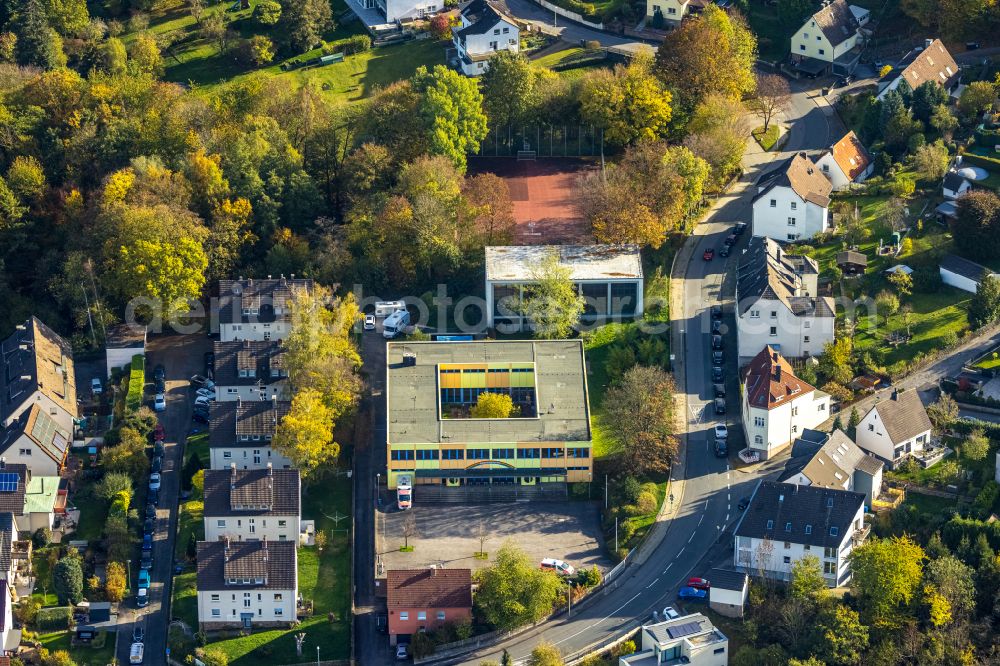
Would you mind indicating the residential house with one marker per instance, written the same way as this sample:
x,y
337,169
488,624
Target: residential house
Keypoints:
x,y
38,440
249,584
831,40
240,434
895,428
689,639
963,274
37,370
932,62
10,638
954,185
250,370
43,501
15,556
257,309
609,277
431,386
426,599
792,201
672,12
785,523
778,303
486,28
729,592
777,405
840,463
846,162
252,504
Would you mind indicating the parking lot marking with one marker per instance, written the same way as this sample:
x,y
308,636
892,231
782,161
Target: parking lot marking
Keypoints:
x,y
653,583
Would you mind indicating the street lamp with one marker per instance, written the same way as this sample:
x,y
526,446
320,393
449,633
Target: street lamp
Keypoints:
x,y
317,655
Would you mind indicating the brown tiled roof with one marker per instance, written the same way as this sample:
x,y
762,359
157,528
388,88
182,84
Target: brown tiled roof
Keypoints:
x,y
837,22
904,415
800,174
269,296
257,356
933,63
834,464
429,588
850,155
219,561
34,358
770,382
229,421
252,492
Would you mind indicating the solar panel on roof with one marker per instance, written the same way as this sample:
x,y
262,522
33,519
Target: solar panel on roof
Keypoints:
x,y
8,482
685,629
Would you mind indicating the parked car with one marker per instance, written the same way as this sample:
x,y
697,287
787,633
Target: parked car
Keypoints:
x,y
159,402
724,251
558,566
721,431
135,654
369,322
731,239
670,613
740,228
138,633
720,390
159,372
699,583
205,393
159,386
971,46
744,503
95,386
716,311
142,598
709,254
153,497
146,561
402,651
200,381
203,400
716,341
147,542
150,510
154,481
721,448
720,405
692,594
718,358
158,447
157,464
143,579
149,526
717,373
716,326
159,433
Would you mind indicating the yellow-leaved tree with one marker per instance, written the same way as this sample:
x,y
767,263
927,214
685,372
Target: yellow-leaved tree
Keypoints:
x,y
305,434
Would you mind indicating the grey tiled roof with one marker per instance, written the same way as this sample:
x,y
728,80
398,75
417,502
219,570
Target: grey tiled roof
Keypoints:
x,y
274,561
904,415
252,492
837,22
767,271
230,421
269,296
259,356
35,358
809,513
727,579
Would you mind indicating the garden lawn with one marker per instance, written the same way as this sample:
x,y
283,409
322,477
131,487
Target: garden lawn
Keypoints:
x,y
324,578
184,604
189,521
83,656
198,444
44,590
767,139
93,513
989,363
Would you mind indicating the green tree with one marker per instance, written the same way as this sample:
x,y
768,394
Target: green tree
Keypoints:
x,y
887,304
931,161
944,121
67,580
976,445
514,591
551,301
943,412
545,654
451,107
27,178
303,22
628,103
984,308
168,276
37,43
955,581
267,12
144,55
807,578
842,637
128,457
491,405
69,17
926,99
508,88
903,282
886,577
305,434
976,227
114,56
977,97
641,404
258,50
836,360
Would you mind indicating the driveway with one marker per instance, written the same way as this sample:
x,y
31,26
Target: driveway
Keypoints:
x,y
552,24
181,356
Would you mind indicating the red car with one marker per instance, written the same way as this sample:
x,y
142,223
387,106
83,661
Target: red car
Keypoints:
x,y
709,254
699,583
159,434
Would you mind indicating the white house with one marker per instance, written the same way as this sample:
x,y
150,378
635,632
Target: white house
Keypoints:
x,y
37,440
777,405
250,370
243,585
672,12
932,62
689,639
962,273
122,342
253,309
792,201
609,278
778,303
831,39
486,28
785,523
846,162
729,592
895,428
954,185
37,369
249,505
240,434
840,463
42,501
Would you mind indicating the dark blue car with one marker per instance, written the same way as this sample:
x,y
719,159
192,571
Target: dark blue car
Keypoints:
x,y
692,594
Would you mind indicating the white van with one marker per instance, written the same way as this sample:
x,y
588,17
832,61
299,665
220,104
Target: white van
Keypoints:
x,y
386,308
395,323
135,653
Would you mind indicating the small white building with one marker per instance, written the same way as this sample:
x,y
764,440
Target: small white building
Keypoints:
x,y
255,309
247,585
729,592
777,405
954,185
240,434
792,202
785,523
778,303
250,370
249,505
122,343
932,62
840,463
895,428
830,40
689,639
846,162
962,273
672,12
486,28
608,276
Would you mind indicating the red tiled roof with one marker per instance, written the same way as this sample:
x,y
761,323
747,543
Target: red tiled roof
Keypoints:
x,y
851,156
770,382
429,588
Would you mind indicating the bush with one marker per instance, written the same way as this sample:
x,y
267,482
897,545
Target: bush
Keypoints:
x,y
41,537
26,610
142,421
646,504
589,577
55,618
357,44
591,45
630,490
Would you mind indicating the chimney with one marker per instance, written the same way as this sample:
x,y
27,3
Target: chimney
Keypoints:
x,y
232,476
3,463
895,394
270,470
264,541
927,42
268,276
777,373
225,549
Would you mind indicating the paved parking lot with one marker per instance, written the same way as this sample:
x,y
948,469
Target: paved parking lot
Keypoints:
x,y
447,533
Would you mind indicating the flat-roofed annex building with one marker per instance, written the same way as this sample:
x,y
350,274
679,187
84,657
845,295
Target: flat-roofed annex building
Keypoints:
x,y
431,386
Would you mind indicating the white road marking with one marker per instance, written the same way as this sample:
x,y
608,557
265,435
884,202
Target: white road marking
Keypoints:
x,y
681,551
690,538
599,621
729,496
727,517
701,519
668,567
729,507
653,583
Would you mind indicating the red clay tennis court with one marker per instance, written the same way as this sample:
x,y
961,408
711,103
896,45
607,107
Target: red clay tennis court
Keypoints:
x,y
543,194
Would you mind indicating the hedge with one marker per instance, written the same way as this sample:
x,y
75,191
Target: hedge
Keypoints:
x,y
987,138
50,619
136,383
985,161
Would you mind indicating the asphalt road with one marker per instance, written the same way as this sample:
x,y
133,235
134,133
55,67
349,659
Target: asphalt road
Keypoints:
x,y
527,10
181,356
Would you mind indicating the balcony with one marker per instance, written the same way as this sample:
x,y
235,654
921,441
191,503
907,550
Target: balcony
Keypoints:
x,y
861,535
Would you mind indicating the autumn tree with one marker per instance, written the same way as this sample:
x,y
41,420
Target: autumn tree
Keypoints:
x,y
513,591
441,29
167,276
628,103
128,456
886,577
303,22
451,107
771,97
305,434
551,300
841,638
144,55
955,581
115,583
943,412
976,445
807,578
836,361
717,133
490,208
931,160
977,97
545,654
490,405
641,404
267,12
